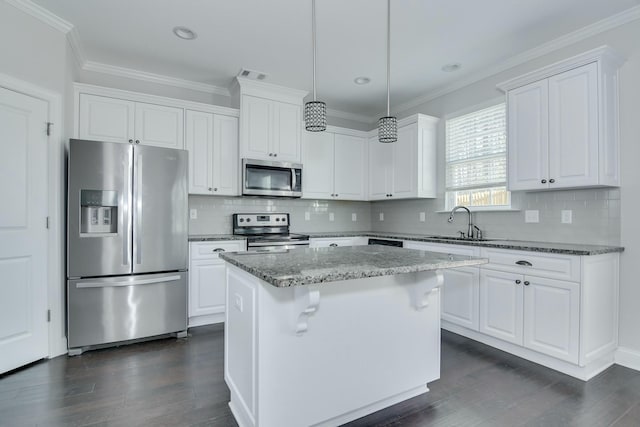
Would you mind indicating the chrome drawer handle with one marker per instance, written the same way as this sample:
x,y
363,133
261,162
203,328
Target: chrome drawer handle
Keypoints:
x,y
218,250
527,263
333,245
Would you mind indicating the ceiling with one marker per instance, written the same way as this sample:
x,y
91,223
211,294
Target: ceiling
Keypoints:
x,y
274,37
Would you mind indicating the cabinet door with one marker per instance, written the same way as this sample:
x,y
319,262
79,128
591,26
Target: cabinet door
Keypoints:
x,y
350,167
225,155
573,127
199,143
317,163
287,125
551,317
404,162
256,129
159,125
207,283
501,302
380,165
106,119
460,296
528,137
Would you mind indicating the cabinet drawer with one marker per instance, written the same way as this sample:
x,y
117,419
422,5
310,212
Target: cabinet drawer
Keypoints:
x,y
445,249
553,266
208,250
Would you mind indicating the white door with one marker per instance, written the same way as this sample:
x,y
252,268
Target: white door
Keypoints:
x,y
286,131
159,125
199,134
404,162
501,301
225,155
552,317
106,119
528,136
256,130
317,161
23,234
460,299
380,169
350,167
573,128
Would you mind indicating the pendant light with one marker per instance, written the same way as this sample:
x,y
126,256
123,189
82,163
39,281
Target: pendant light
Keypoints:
x,y
388,125
315,112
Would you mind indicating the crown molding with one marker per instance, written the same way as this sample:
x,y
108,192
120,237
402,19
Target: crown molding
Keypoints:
x,y
76,47
350,116
42,14
130,73
583,33
270,90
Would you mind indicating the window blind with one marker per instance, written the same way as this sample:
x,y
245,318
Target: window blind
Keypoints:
x,y
476,149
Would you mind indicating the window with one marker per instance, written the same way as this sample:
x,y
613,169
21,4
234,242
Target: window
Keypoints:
x,y
476,159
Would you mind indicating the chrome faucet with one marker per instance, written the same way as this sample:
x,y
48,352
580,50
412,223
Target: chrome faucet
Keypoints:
x,y
473,232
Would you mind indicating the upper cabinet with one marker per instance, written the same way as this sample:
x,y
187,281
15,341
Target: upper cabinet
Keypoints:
x,y
563,124
103,118
212,142
405,169
270,121
334,164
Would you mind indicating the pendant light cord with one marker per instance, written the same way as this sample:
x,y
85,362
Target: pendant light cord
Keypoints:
x,y
313,38
388,54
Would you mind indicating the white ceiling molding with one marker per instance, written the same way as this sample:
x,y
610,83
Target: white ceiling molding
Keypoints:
x,y
153,78
606,24
74,41
42,14
350,116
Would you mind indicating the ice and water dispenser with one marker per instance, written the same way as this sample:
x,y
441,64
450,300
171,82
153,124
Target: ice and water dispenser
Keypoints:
x,y
98,212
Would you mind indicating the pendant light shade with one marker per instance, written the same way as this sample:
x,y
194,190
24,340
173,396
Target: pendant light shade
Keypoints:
x,y
315,112
388,125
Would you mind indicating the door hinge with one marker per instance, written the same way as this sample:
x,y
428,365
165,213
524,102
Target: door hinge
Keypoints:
x,y
48,315
49,124
47,223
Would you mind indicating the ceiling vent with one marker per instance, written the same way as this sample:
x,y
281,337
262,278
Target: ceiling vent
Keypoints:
x,y
252,74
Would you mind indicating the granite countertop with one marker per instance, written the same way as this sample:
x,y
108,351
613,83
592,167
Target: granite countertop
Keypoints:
x,y
522,245
214,237
309,266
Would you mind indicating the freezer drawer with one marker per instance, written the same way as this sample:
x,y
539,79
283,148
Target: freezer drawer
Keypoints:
x,y
105,310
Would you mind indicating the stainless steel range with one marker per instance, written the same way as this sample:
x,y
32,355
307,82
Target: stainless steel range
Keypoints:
x,y
268,232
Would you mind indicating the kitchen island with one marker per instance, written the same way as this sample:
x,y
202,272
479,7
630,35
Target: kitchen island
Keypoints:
x,y
319,337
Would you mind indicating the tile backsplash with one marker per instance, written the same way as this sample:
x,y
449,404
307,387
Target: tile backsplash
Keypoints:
x,y
214,213
595,216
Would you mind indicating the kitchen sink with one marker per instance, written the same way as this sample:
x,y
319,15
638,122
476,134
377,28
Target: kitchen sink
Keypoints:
x,y
462,239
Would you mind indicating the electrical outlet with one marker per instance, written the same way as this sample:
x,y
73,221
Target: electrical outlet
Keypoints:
x,y
381,216
193,213
566,216
331,216
307,216
354,217
532,216
423,216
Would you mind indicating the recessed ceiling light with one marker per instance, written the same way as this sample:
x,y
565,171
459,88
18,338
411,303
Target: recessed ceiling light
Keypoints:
x,y
361,80
184,33
449,68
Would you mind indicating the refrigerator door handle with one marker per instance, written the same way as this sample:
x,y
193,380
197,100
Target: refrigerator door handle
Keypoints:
x,y
127,283
138,213
126,221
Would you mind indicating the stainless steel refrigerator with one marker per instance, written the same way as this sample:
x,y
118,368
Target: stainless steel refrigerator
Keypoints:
x,y
127,243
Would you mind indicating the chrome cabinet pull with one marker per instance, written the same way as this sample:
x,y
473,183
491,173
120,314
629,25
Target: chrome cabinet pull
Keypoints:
x,y
131,141
518,282
526,283
218,250
333,245
527,263
544,181
137,141
552,180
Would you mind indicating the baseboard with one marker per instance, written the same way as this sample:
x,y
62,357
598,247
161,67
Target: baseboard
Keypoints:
x,y
628,358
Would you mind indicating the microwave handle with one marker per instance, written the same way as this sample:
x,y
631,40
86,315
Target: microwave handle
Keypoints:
x,y
294,179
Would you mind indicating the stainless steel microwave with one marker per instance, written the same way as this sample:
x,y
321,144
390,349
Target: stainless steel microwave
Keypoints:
x,y
269,178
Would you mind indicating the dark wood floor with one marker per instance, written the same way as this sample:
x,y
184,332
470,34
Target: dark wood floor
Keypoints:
x,y
179,382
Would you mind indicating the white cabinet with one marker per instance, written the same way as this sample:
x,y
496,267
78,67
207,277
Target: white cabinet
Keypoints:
x,y
460,291
207,280
103,118
501,310
332,242
335,165
212,142
270,121
562,124
406,168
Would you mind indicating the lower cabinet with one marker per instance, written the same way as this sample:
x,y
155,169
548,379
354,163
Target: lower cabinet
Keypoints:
x,y
207,280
